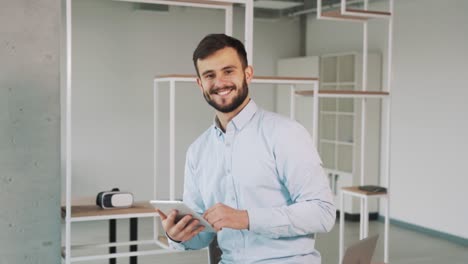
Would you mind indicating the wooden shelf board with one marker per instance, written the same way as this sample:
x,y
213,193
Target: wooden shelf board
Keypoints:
x,y
370,12
343,92
275,78
94,210
355,189
337,14
210,2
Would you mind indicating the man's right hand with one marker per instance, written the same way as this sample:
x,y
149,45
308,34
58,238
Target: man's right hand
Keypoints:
x,y
184,230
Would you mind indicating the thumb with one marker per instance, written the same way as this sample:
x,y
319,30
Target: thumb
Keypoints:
x,y
161,214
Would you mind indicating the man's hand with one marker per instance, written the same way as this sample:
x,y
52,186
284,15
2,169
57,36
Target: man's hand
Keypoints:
x,y
221,216
184,230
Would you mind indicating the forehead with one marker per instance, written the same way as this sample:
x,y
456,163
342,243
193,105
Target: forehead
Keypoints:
x,y
220,59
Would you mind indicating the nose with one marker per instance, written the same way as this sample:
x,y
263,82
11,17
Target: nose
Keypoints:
x,y
222,82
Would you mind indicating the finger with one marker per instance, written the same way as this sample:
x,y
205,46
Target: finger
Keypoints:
x,y
172,216
161,214
211,209
197,230
218,226
183,222
193,225
193,232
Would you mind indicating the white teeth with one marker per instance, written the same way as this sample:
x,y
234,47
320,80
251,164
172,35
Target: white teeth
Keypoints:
x,y
224,92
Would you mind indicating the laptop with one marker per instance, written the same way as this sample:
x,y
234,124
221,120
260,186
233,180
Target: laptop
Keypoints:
x,y
361,252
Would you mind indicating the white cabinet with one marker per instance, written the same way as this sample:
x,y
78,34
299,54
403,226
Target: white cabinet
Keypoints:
x,y
340,124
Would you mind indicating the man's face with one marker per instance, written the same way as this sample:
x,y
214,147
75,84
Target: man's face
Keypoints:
x,y
223,80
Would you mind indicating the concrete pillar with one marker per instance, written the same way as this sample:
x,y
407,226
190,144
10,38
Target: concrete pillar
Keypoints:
x,y
29,131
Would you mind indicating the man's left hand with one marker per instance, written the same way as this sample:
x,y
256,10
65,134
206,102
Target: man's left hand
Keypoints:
x,y
221,216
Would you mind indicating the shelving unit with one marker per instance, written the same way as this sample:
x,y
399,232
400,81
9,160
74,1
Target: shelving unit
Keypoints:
x,y
174,78
344,13
340,122
77,213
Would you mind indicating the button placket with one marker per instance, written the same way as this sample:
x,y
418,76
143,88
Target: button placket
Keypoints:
x,y
228,162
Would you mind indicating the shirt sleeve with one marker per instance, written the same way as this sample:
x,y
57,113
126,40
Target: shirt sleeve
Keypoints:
x,y
300,170
193,199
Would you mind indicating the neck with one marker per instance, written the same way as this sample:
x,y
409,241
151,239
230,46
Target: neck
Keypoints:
x,y
224,118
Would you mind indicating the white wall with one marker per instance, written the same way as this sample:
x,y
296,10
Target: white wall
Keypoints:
x,y
429,147
116,53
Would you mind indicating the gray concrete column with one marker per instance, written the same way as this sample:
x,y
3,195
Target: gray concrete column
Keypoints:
x,y
29,132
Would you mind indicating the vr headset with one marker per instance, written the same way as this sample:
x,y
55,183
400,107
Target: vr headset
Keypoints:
x,y
114,199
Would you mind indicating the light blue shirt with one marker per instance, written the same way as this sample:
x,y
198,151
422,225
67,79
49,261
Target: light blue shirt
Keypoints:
x,y
266,164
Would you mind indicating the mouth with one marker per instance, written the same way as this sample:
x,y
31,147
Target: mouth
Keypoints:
x,y
223,91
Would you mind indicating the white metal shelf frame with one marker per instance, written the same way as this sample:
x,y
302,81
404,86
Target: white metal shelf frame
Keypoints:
x,y
362,16
226,5
172,79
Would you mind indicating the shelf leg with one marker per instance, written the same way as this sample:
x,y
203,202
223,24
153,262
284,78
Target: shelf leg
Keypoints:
x,y
342,216
366,218
112,239
361,220
387,222
133,237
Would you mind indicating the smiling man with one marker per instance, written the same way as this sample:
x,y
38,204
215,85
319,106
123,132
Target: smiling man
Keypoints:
x,y
254,175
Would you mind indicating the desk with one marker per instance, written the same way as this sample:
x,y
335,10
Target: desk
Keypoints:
x,y
91,212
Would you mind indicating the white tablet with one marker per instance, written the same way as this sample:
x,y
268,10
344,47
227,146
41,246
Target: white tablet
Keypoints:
x,y
167,206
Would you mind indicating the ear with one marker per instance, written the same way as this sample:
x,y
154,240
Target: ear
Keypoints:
x,y
200,84
248,74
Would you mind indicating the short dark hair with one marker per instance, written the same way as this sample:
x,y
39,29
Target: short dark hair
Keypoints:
x,y
214,42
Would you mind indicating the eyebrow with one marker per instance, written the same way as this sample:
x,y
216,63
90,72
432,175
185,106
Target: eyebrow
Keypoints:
x,y
223,69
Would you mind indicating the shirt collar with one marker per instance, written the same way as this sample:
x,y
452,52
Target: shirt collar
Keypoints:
x,y
244,116
241,119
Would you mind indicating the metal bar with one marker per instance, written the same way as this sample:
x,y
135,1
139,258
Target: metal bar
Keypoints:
x,y
292,99
155,149
249,13
133,237
114,244
259,81
342,216
366,216
386,231
315,115
361,220
107,217
228,18
68,134
178,3
363,105
172,140
125,254
112,239
389,107
319,8
162,245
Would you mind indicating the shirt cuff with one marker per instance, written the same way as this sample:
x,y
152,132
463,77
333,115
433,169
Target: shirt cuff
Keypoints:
x,y
267,222
177,245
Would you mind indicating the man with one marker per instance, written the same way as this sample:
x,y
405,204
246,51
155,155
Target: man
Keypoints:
x,y
254,175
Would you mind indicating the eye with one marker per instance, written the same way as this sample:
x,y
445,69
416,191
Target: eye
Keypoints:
x,y
209,76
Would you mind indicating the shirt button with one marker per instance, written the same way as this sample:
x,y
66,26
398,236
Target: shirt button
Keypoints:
x,y
228,145
228,170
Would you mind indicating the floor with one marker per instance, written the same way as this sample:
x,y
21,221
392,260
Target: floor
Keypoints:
x,y
406,246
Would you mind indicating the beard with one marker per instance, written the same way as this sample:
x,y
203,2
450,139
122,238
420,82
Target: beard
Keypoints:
x,y
236,101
